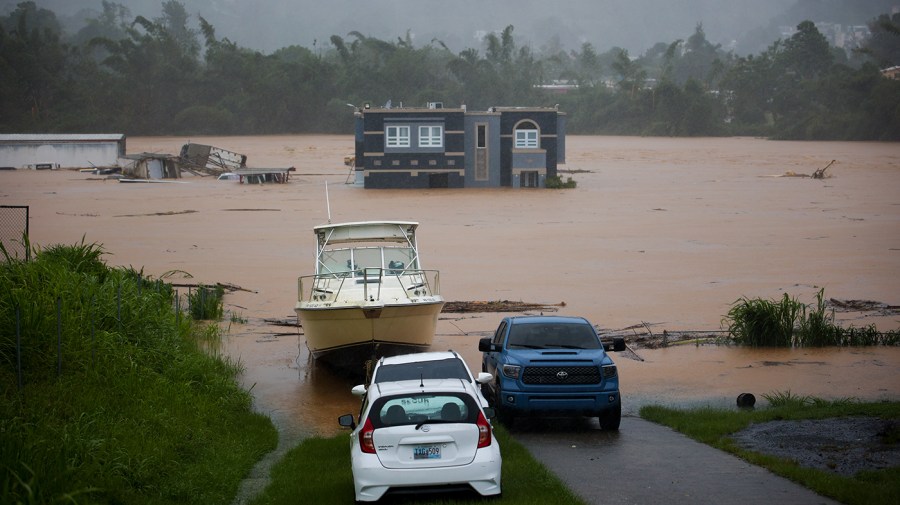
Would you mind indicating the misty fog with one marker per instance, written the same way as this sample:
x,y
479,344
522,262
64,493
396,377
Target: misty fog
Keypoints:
x,y
745,26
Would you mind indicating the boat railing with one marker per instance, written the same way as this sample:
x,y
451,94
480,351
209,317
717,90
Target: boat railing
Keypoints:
x,y
369,284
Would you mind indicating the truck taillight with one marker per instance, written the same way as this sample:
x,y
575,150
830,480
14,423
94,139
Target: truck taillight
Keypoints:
x,y
484,431
366,434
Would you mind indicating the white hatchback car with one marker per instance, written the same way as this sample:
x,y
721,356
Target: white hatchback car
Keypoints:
x,y
419,435
425,365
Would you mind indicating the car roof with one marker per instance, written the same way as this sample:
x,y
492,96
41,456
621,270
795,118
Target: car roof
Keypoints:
x,y
417,386
417,357
547,319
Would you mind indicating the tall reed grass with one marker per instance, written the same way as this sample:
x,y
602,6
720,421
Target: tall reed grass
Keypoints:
x,y
137,413
789,323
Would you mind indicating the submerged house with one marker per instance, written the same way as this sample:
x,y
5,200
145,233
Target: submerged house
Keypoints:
x,y
45,150
434,147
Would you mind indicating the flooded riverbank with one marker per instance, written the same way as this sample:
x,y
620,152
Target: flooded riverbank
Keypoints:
x,y
663,232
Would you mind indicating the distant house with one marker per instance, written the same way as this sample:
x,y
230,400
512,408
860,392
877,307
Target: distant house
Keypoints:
x,y
40,150
434,147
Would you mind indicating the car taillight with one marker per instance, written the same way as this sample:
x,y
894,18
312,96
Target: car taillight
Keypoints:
x,y
484,431
366,434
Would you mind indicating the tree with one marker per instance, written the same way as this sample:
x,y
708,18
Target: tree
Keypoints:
x,y
883,45
111,24
806,53
631,75
34,64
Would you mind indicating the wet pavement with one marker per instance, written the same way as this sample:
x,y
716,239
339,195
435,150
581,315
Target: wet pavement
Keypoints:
x,y
645,463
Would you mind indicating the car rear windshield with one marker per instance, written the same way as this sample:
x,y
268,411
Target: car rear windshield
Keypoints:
x,y
416,408
450,368
552,336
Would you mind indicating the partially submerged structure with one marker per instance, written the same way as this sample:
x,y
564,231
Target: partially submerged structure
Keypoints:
x,y
210,159
61,151
151,166
437,147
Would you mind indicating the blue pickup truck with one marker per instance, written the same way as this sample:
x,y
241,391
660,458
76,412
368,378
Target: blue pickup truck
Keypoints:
x,y
551,366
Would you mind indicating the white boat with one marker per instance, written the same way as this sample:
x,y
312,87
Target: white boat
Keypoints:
x,y
369,296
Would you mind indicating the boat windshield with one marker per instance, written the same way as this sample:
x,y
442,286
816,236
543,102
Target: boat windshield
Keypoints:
x,y
353,261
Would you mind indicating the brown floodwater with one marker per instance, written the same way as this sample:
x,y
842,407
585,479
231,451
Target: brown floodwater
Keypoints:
x,y
660,233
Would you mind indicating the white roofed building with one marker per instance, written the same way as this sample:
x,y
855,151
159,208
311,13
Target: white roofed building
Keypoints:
x,y
45,150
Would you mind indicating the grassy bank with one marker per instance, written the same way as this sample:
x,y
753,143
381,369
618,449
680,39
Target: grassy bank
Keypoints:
x,y
319,471
106,395
715,427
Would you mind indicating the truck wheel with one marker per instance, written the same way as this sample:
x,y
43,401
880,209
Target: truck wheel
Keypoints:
x,y
610,419
504,415
506,418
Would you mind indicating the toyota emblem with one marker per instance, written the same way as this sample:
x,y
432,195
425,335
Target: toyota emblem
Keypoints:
x,y
562,375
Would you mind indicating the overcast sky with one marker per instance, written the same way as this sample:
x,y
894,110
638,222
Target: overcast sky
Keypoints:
x,y
635,25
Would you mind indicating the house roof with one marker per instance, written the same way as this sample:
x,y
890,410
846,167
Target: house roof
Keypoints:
x,y
62,137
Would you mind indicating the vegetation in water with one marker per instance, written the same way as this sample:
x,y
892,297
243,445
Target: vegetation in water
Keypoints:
x,y
206,302
556,182
788,322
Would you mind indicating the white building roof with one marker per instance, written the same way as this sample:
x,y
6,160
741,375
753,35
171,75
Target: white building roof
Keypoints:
x,y
61,137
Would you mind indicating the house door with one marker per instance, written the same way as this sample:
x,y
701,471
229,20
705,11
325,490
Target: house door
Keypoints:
x,y
438,180
481,152
529,179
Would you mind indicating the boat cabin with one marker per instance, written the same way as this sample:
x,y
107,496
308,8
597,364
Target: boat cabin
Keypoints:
x,y
353,249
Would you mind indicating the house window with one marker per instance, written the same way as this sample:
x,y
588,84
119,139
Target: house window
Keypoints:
x,y
431,136
527,135
397,136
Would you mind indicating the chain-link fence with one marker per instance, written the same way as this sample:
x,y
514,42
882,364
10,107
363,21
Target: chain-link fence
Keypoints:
x,y
14,231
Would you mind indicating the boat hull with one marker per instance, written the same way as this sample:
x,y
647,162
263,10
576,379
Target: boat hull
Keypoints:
x,y
348,336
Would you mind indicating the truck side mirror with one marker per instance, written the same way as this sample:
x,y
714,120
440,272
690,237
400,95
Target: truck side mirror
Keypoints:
x,y
485,345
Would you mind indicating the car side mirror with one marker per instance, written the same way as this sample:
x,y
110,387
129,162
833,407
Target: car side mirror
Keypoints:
x,y
490,413
484,378
359,390
346,421
485,345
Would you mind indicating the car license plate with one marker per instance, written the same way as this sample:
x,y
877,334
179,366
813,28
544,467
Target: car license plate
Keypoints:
x,y
427,452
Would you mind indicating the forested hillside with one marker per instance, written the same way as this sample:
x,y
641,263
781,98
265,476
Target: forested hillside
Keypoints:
x,y
173,75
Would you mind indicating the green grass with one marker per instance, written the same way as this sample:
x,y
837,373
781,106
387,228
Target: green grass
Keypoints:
x,y
324,464
131,410
714,427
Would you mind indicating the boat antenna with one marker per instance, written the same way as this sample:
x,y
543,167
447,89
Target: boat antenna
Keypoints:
x,y
327,202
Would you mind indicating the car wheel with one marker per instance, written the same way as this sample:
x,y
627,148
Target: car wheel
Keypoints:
x,y
610,419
